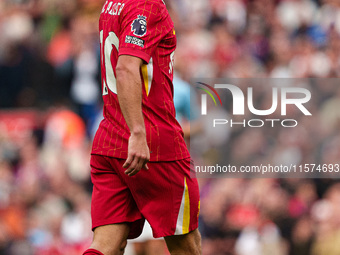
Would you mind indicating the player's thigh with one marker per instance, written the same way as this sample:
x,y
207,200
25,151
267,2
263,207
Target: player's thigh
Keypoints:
x,y
185,244
112,202
167,196
111,239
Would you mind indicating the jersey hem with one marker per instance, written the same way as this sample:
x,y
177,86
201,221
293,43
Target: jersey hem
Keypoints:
x,y
151,160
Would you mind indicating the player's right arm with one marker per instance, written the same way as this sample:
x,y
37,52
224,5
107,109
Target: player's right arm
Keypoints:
x,y
141,30
129,93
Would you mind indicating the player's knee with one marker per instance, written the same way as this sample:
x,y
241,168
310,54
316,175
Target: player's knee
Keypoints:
x,y
122,247
119,250
186,244
199,249
198,243
108,248
192,247
192,250
193,244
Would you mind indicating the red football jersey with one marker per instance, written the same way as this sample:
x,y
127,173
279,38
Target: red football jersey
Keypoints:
x,y
141,28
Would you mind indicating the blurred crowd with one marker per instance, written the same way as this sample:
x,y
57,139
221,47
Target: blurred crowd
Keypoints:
x,y
49,64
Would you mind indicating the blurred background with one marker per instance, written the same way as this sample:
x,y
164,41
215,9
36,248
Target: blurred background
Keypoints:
x,y
50,106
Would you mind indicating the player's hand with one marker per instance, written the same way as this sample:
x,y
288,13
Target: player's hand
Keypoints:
x,y
138,154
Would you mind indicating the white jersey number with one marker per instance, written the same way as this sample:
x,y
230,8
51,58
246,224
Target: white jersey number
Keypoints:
x,y
172,61
109,81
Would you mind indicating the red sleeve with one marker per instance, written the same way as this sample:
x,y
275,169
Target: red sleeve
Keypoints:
x,y
142,28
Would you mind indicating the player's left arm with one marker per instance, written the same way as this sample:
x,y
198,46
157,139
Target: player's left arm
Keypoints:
x,y
129,92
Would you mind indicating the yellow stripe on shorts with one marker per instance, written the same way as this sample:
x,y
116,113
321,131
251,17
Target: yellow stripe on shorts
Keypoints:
x,y
183,218
186,213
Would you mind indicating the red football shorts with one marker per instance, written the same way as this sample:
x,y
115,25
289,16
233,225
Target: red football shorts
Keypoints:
x,y
166,195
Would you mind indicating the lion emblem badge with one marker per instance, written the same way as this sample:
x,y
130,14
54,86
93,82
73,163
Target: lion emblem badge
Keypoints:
x,y
138,26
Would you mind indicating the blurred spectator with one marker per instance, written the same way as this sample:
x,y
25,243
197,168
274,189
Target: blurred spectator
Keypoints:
x,y
49,57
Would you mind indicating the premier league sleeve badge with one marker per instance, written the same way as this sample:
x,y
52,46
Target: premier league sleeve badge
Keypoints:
x,y
138,26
